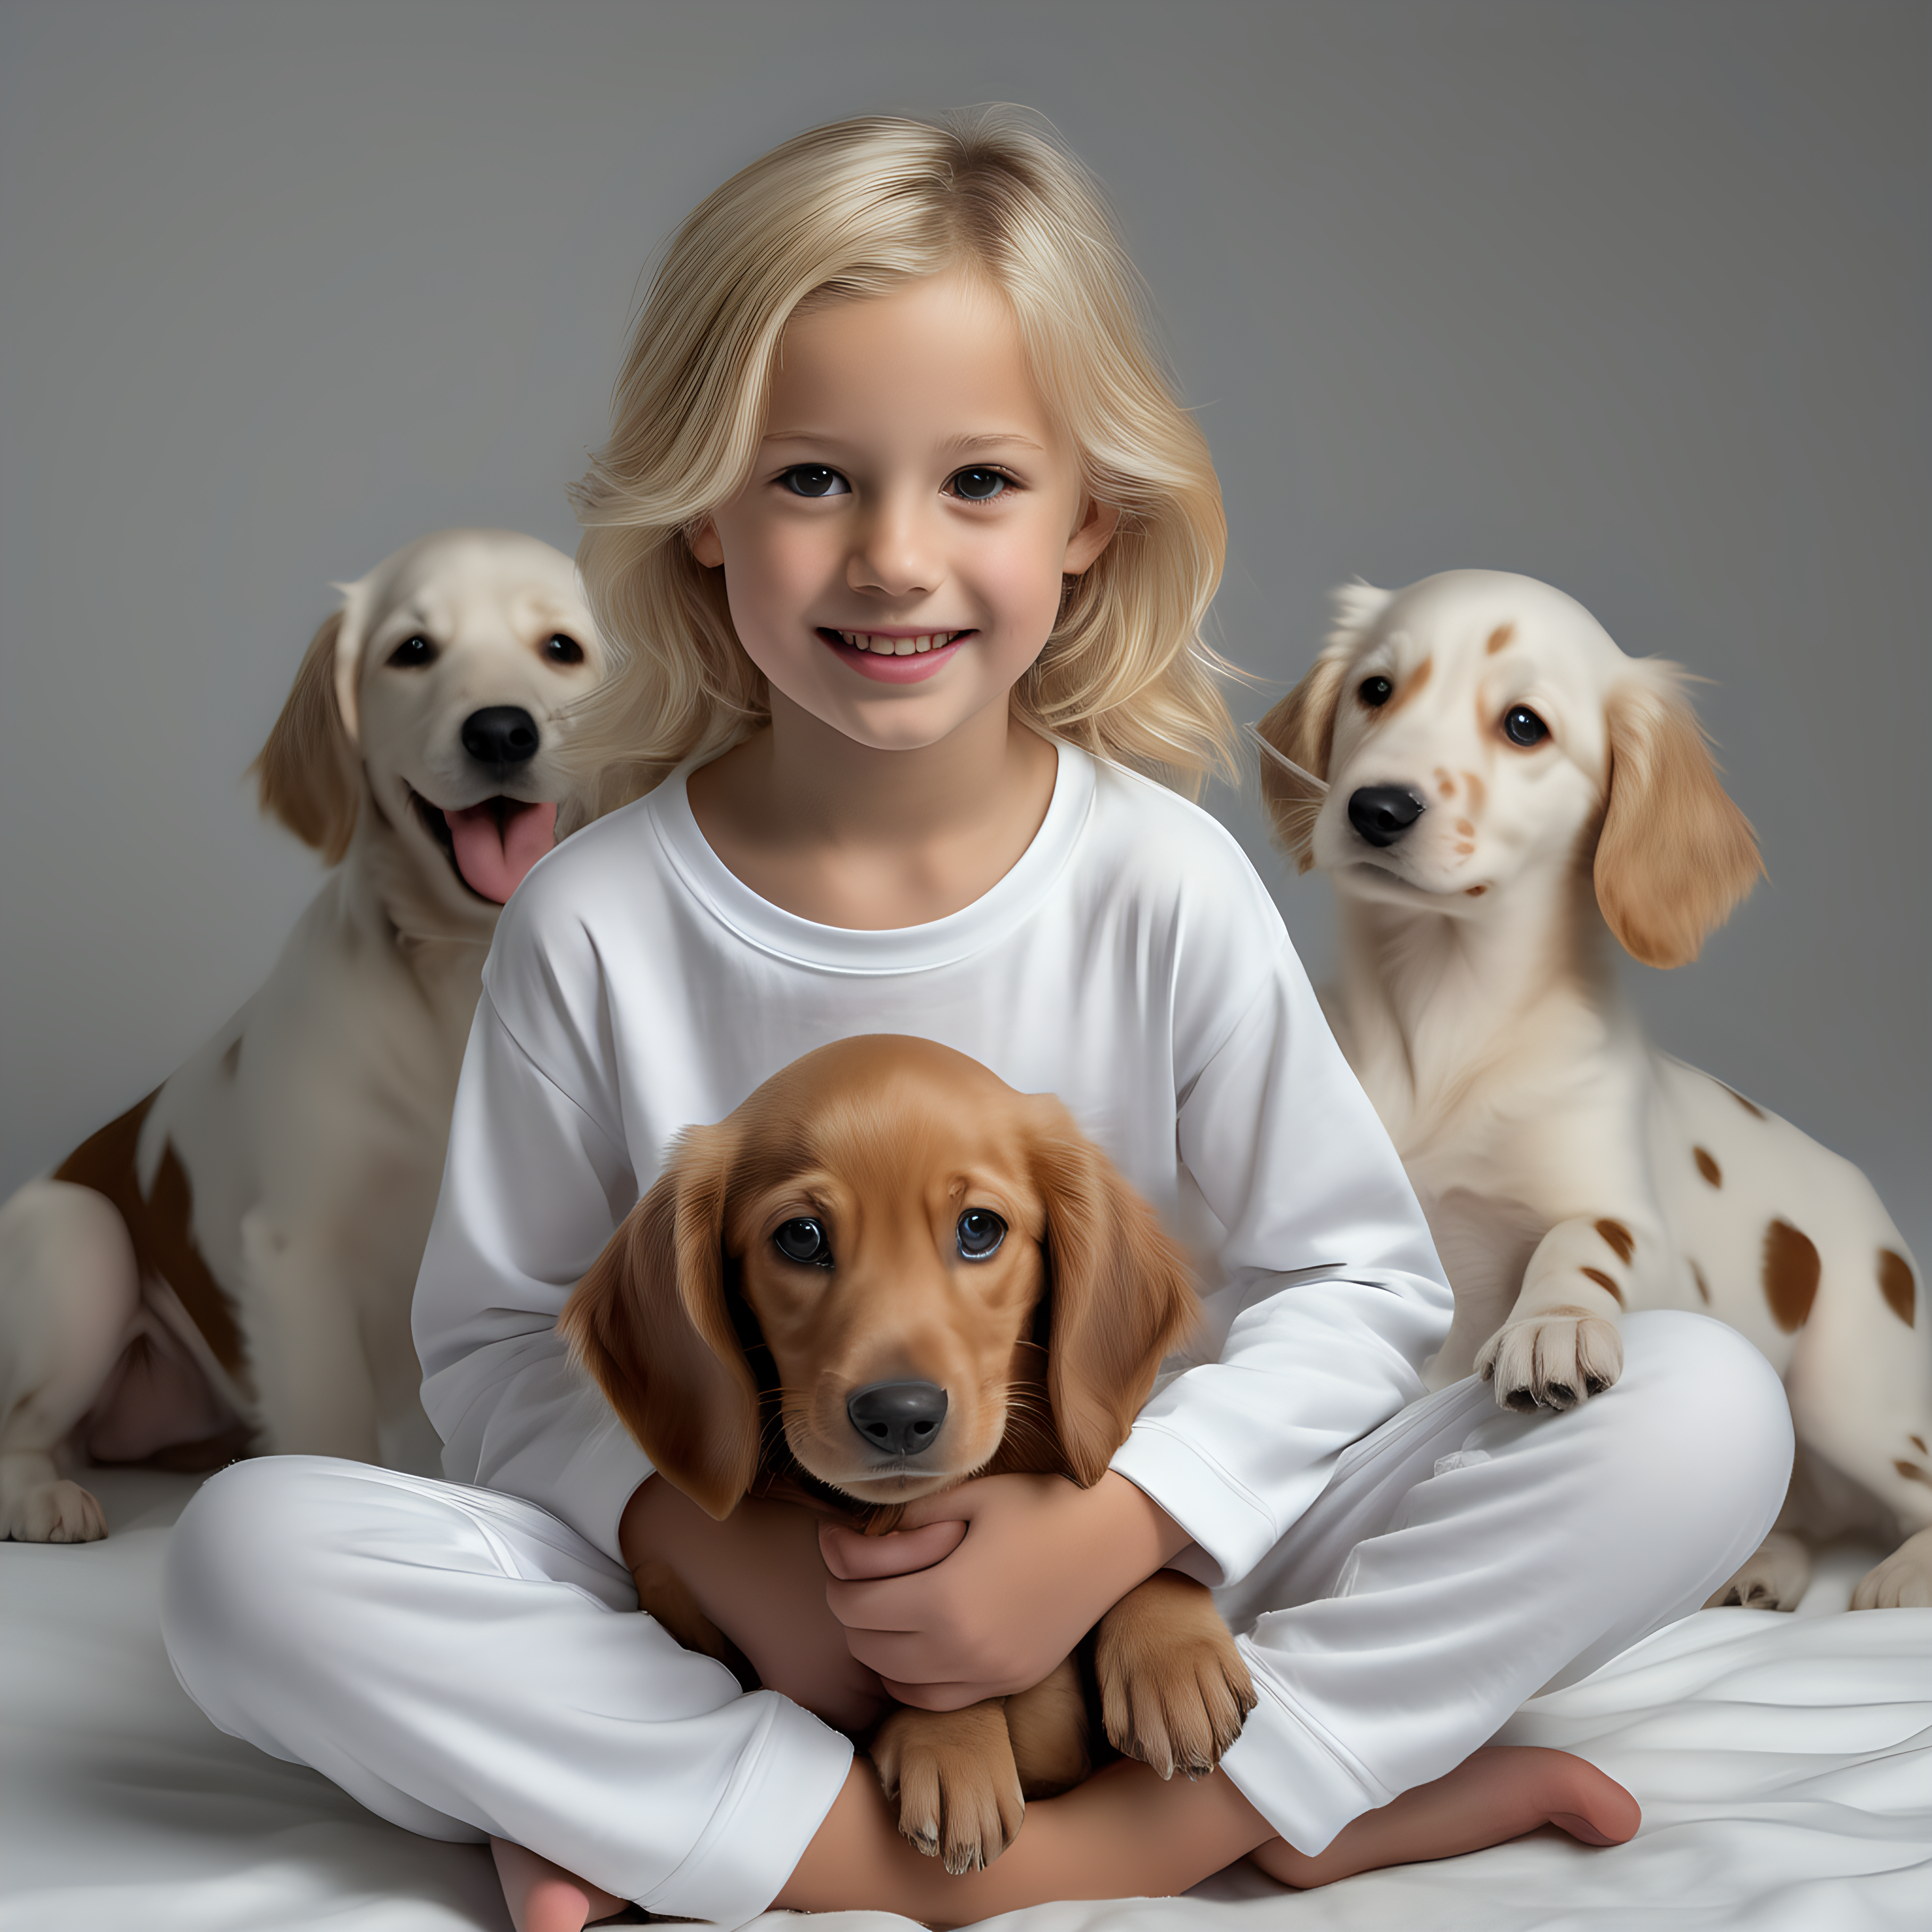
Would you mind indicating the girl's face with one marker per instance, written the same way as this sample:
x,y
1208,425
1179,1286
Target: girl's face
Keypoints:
x,y
894,564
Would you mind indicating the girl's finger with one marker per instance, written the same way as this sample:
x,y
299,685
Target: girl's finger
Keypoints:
x,y
854,1558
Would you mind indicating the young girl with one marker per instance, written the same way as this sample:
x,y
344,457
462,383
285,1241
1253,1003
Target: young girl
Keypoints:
x,y
910,542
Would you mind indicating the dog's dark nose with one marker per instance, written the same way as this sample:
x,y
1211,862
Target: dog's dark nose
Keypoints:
x,y
1381,813
900,1418
500,735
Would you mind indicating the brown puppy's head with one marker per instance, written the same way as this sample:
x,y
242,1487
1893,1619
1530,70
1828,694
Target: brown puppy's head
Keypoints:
x,y
931,1270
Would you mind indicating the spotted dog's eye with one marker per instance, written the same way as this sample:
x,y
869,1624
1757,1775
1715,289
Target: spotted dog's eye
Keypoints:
x,y
979,486
561,650
804,1240
979,1234
1521,726
1374,692
412,653
814,479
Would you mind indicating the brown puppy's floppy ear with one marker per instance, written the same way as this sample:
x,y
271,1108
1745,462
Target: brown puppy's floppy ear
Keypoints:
x,y
1121,1295
308,771
649,1322
1675,855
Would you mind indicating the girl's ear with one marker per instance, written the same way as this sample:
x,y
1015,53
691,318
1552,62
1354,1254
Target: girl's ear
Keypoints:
x,y
705,543
650,1323
1675,855
307,774
1095,531
1120,1293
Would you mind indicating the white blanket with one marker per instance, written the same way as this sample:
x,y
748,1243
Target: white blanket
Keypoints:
x,y
1784,1766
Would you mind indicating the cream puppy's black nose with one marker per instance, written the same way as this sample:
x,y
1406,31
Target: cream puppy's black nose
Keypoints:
x,y
901,1418
500,735
1381,813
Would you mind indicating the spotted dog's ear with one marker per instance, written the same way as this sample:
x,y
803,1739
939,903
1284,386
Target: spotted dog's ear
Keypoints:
x,y
1675,855
650,1323
1121,1294
308,773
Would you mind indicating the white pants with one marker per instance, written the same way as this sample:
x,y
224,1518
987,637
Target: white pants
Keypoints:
x,y
457,1660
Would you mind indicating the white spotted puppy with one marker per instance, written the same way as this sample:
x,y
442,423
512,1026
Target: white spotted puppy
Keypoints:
x,y
228,1266
1496,791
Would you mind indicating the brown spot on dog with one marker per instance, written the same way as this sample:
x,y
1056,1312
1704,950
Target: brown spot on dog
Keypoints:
x,y
1791,1270
1750,1107
1499,637
1464,848
1445,784
1464,827
1620,1238
1912,1473
1895,1284
1918,1443
1703,1286
1475,892
161,1226
1409,687
1707,1166
1603,1281
1478,792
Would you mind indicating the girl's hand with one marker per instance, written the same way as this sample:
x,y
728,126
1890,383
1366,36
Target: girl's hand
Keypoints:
x,y
1038,1564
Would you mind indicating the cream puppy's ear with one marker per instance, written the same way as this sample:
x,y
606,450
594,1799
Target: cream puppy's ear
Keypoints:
x,y
1301,727
308,771
1675,855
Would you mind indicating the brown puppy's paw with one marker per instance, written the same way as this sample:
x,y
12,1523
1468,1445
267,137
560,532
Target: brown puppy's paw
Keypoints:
x,y
1552,1360
1903,1581
1773,1578
1174,1690
953,1774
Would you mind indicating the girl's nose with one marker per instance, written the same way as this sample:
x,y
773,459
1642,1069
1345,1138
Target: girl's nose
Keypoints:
x,y
895,554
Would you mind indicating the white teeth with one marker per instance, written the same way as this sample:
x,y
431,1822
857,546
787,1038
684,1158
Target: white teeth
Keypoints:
x,y
896,647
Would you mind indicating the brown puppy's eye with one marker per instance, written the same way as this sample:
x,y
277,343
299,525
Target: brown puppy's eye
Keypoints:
x,y
563,650
979,1234
1374,692
1521,726
804,1241
412,653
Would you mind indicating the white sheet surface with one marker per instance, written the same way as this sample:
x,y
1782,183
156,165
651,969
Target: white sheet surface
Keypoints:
x,y
1784,1766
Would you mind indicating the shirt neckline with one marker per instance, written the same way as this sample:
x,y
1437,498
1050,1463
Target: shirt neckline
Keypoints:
x,y
941,942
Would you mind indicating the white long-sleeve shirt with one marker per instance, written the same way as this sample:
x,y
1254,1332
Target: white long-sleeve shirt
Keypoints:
x,y
1131,962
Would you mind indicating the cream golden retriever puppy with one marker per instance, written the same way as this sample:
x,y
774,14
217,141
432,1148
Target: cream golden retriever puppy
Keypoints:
x,y
1498,793
228,1266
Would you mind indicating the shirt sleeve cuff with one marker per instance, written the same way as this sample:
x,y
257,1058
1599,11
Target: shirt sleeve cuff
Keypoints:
x,y
1232,1529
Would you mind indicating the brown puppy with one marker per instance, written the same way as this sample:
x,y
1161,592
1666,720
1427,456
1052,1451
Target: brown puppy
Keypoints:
x,y
885,1272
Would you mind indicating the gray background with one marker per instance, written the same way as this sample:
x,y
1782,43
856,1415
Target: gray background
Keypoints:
x,y
1632,297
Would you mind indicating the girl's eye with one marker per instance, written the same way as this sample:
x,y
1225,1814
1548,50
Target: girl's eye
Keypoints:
x,y
1521,726
979,486
1374,692
814,479
563,650
979,1234
804,1240
412,653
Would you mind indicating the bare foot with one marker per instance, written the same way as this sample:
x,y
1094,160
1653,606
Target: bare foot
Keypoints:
x,y
1496,1793
544,1898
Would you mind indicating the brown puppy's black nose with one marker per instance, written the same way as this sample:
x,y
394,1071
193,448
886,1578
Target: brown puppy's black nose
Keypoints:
x,y
1381,813
901,1418
500,735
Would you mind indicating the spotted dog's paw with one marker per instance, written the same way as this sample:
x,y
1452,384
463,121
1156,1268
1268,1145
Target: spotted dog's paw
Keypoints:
x,y
958,1787
56,1512
1903,1581
1552,1360
1174,1690
1775,1578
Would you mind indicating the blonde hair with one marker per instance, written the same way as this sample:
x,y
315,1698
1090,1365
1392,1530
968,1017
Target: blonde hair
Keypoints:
x,y
855,209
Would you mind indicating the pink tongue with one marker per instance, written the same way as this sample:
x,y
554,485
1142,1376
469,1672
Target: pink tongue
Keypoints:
x,y
493,859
